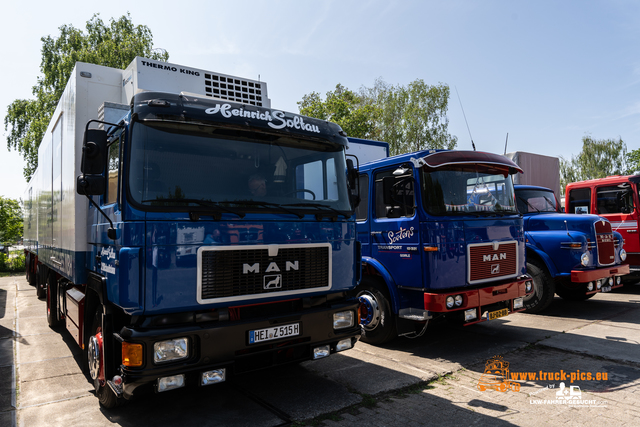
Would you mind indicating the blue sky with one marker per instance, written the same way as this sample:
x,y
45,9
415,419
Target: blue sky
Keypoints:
x,y
545,72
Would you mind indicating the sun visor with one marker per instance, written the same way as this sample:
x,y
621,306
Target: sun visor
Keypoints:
x,y
462,158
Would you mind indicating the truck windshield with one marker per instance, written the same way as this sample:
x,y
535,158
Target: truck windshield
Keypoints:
x,y
181,166
463,190
536,201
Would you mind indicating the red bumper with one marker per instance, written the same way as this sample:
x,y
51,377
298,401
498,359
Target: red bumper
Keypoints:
x,y
583,276
477,298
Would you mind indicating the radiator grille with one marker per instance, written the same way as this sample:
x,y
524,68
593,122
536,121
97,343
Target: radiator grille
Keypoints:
x,y
252,272
491,262
606,243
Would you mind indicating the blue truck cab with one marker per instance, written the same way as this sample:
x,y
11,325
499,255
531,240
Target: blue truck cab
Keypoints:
x,y
572,255
440,235
197,236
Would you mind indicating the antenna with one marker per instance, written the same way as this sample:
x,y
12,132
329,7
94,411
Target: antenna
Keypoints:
x,y
505,144
465,119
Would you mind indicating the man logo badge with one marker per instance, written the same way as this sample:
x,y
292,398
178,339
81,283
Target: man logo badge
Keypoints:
x,y
273,281
495,269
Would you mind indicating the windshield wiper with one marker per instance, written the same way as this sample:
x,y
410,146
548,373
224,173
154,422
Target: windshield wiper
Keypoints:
x,y
551,204
205,203
319,205
529,204
264,204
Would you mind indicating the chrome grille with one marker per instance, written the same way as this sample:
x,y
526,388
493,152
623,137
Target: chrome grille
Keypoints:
x,y
605,243
492,261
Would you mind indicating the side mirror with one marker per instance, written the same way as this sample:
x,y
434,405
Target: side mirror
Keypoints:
x,y
94,152
353,180
90,185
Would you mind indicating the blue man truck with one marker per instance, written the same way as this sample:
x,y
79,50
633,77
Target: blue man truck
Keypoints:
x,y
183,231
441,236
572,255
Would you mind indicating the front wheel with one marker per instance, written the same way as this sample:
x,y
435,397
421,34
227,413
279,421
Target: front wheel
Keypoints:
x,y
377,320
544,288
94,356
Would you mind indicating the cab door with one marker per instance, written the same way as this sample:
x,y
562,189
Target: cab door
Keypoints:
x,y
395,226
618,203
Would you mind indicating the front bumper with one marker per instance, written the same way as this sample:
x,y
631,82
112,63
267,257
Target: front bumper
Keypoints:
x,y
226,345
481,298
584,276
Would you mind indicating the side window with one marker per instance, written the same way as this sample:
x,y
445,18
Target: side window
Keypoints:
x,y
394,194
113,172
362,209
614,199
579,200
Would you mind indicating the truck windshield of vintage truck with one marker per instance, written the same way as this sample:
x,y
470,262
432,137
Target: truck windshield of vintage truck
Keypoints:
x,y
464,190
536,201
180,166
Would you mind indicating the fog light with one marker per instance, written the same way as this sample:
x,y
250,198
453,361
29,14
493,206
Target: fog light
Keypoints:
x,y
342,320
170,383
590,286
450,301
518,303
344,344
320,352
470,314
584,259
213,377
458,300
131,354
598,284
170,350
528,286
618,280
623,255
610,281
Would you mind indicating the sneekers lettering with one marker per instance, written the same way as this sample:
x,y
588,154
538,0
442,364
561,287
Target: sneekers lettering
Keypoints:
x,y
275,119
400,235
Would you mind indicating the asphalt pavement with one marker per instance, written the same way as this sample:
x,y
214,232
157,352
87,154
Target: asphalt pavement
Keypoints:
x,y
432,380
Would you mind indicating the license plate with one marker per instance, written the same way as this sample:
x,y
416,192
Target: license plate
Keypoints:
x,y
606,289
497,314
274,333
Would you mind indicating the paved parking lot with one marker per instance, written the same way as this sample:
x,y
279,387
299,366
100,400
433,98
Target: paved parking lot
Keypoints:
x,y
433,379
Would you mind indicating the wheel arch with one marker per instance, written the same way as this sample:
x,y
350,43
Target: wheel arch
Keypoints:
x,y
372,267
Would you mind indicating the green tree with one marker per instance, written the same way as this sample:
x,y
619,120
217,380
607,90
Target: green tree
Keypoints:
x,y
115,45
409,118
10,220
343,107
633,161
599,158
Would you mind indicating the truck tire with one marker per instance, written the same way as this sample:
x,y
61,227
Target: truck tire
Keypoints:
x,y
544,288
93,357
52,303
572,294
41,280
379,323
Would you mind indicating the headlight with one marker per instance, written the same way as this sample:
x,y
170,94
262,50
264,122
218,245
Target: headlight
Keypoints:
x,y
170,350
450,301
458,300
623,255
518,303
342,320
590,286
584,259
528,286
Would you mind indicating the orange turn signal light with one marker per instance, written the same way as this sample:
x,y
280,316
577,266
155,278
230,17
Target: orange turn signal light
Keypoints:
x,y
430,248
131,354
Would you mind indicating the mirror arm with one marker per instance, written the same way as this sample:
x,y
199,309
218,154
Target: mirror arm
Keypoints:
x,y
111,233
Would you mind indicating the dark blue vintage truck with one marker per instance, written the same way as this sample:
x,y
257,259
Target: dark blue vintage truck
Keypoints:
x,y
573,256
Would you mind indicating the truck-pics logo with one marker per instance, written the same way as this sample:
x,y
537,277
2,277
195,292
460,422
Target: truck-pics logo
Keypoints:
x,y
275,119
496,376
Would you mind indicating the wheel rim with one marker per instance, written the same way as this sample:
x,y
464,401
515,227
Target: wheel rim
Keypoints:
x,y
370,316
93,356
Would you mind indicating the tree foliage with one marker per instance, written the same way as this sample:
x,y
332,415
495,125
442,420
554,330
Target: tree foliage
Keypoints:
x,y
599,158
633,161
10,220
114,45
409,118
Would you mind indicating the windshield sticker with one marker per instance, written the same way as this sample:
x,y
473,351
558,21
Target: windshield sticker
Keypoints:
x,y
275,119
